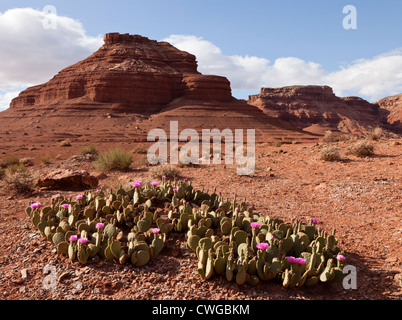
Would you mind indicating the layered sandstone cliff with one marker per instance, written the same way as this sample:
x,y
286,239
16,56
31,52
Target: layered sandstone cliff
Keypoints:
x,y
392,110
318,106
136,73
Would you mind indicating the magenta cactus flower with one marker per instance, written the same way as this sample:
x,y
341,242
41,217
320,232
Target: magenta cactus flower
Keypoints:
x,y
262,246
136,184
35,205
97,191
174,189
79,197
99,225
83,240
73,238
163,177
315,221
340,257
65,205
255,225
154,183
291,259
156,230
300,261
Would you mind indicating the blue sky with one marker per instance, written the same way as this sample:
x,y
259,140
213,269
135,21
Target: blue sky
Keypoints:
x,y
290,41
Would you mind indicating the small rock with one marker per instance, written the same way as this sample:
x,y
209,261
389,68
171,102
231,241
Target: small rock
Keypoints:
x,y
24,274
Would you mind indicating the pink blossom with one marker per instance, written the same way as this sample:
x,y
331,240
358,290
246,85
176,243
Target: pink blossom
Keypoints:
x,y
98,191
65,205
154,183
262,246
83,240
300,261
79,197
35,205
340,257
292,259
73,238
156,230
315,221
99,225
163,177
174,189
136,185
255,225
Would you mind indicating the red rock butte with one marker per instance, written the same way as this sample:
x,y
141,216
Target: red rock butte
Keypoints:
x,y
130,71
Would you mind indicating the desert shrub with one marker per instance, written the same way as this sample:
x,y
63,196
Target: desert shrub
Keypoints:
x,y
65,143
12,168
167,170
9,160
18,180
374,134
45,159
115,159
139,149
330,153
276,143
26,161
89,149
329,137
362,149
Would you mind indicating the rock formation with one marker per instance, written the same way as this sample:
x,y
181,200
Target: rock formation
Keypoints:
x,y
392,110
129,86
132,72
317,108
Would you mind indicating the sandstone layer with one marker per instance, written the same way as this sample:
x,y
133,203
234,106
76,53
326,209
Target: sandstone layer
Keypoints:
x,y
317,108
392,110
130,71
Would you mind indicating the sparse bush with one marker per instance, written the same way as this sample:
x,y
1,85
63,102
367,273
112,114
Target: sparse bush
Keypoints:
x,y
329,137
45,159
12,168
330,153
26,161
20,181
276,143
9,160
167,170
362,149
374,134
139,149
116,159
65,143
90,149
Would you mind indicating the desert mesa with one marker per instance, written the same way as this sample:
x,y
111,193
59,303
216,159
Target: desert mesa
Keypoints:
x,y
133,84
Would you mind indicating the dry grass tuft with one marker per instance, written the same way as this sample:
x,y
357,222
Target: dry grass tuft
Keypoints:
x,y
115,159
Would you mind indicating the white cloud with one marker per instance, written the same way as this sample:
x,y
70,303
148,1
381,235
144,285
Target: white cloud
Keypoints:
x,y
32,54
372,78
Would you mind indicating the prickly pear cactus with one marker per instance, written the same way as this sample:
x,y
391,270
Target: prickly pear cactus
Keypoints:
x,y
230,239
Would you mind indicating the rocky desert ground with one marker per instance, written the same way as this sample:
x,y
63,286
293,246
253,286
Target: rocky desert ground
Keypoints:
x,y
359,197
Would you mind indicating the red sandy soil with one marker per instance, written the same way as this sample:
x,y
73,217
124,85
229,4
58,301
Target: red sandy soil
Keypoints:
x,y
360,198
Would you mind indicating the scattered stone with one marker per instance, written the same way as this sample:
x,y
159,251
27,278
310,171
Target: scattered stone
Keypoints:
x,y
67,179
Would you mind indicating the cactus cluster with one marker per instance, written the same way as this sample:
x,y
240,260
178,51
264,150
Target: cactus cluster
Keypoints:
x,y
229,238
